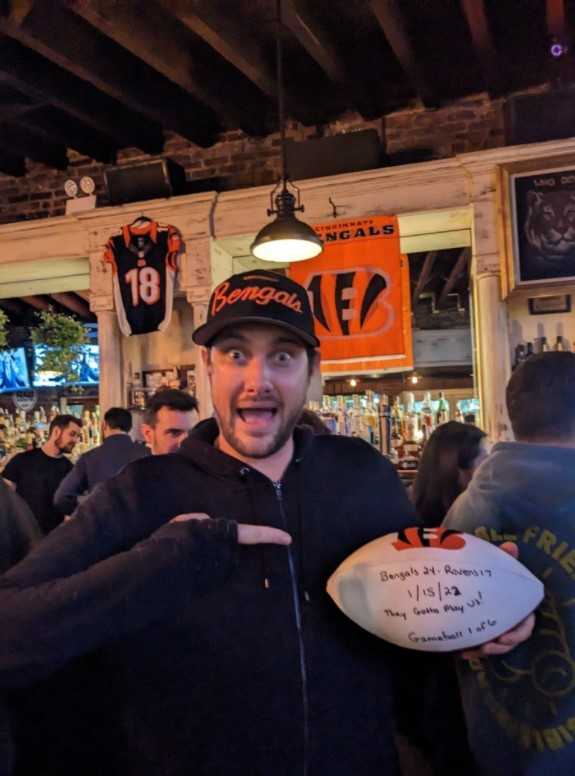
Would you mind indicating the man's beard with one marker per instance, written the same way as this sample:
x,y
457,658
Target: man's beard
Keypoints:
x,y
274,444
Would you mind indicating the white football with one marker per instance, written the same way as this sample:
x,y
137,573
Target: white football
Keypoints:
x,y
434,589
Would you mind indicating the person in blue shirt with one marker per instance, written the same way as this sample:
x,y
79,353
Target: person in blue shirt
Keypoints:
x,y
102,462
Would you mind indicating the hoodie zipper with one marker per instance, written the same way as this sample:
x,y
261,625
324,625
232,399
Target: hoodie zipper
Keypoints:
x,y
299,625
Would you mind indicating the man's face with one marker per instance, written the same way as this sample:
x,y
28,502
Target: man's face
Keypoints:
x,y
259,377
66,438
169,431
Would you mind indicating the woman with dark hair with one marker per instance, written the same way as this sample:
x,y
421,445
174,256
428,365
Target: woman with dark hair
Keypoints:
x,y
449,458
452,453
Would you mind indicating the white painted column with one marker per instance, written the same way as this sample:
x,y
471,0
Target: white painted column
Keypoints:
x,y
491,333
111,365
203,392
492,354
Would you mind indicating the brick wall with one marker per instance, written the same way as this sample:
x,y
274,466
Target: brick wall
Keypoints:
x,y
471,124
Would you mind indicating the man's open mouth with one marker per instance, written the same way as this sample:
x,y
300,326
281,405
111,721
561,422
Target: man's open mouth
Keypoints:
x,y
254,415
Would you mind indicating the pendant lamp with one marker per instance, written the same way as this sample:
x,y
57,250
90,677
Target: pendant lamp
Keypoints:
x,y
285,239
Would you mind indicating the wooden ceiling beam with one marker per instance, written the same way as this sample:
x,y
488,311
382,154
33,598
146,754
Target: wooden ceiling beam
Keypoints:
x,y
33,75
25,142
66,40
222,33
476,18
241,50
424,275
457,270
65,129
160,40
313,39
557,20
37,302
392,21
74,304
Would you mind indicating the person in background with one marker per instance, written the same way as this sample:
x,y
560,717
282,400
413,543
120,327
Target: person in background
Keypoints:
x,y
521,709
19,532
452,453
170,416
102,462
36,474
450,457
312,421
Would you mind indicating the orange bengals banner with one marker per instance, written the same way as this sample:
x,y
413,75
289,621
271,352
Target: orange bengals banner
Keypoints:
x,y
359,294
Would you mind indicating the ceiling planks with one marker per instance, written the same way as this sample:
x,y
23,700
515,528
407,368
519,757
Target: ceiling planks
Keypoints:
x,y
476,18
69,42
26,142
312,37
160,41
33,75
224,35
74,303
392,20
99,76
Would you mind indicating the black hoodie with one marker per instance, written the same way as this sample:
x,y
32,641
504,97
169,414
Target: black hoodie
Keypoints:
x,y
262,675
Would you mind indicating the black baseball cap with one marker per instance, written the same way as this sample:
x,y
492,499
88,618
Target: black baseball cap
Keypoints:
x,y
258,296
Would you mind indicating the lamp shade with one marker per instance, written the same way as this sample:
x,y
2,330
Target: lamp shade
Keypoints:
x,y
285,240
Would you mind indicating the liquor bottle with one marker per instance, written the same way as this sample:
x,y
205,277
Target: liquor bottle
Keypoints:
x,y
529,352
355,417
520,355
544,345
371,419
410,419
559,343
426,416
442,410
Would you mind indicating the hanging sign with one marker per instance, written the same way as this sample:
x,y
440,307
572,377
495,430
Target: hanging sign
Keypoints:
x,y
359,294
144,256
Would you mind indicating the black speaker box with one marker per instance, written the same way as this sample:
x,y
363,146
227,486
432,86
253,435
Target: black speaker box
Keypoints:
x,y
533,118
333,155
148,180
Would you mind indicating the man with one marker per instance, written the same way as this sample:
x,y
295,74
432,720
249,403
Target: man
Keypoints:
x,y
265,675
170,416
102,462
521,708
36,474
19,532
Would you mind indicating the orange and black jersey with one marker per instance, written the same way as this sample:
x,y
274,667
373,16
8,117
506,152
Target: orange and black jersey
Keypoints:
x,y
144,256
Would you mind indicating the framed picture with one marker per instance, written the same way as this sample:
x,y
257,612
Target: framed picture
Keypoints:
x,y
160,378
188,378
538,213
550,305
138,397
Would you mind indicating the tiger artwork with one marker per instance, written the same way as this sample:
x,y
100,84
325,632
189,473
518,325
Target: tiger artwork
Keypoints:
x,y
550,224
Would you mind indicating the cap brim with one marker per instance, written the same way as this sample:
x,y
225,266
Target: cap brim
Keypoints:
x,y
204,334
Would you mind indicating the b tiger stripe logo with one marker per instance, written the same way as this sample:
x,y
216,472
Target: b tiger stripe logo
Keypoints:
x,y
442,538
359,293
350,302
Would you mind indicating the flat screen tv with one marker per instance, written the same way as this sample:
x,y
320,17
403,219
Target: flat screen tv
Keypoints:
x,y
87,366
14,375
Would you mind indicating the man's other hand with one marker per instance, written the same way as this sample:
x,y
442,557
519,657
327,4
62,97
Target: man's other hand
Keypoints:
x,y
247,534
511,638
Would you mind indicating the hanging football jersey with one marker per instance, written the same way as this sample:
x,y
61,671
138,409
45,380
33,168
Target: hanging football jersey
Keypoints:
x,y
144,256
